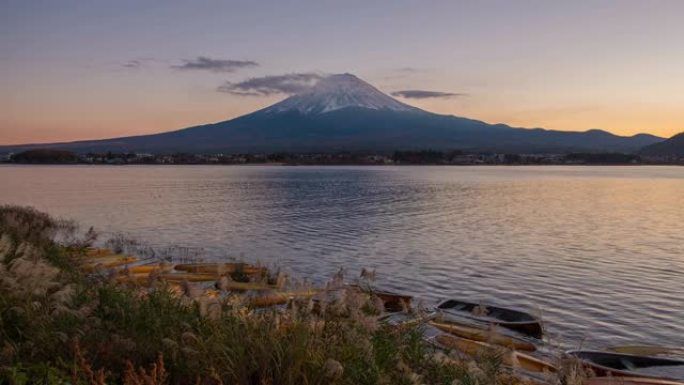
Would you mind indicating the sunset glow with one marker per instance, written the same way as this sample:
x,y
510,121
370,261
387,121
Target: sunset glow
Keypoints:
x,y
83,70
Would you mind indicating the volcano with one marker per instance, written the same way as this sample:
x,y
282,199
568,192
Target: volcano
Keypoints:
x,y
343,113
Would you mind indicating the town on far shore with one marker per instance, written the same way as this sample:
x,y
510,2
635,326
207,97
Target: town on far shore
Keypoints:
x,y
417,157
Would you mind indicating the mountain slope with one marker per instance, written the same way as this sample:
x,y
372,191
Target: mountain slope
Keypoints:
x,y
336,92
344,113
671,147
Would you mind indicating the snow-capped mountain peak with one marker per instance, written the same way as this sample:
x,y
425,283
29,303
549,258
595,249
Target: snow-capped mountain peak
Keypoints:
x,y
336,92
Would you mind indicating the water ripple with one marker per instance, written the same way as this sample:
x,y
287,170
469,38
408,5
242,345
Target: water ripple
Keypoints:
x,y
598,251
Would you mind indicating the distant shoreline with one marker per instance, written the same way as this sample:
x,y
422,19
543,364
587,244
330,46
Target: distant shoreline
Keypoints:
x,y
341,164
397,158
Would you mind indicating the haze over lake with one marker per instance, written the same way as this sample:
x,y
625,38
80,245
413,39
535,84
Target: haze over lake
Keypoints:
x,y
598,250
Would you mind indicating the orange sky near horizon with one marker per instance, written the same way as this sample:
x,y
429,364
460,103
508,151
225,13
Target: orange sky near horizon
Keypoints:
x,y
74,70
60,124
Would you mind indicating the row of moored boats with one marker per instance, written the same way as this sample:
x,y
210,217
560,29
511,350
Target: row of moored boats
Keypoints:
x,y
455,325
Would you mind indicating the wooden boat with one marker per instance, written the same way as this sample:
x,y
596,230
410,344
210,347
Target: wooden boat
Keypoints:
x,y
647,350
228,285
393,302
93,252
625,365
511,319
628,381
144,278
211,293
147,268
399,320
135,278
513,359
220,268
279,298
484,335
94,264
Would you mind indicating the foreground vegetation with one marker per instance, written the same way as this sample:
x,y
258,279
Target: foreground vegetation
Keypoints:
x,y
59,326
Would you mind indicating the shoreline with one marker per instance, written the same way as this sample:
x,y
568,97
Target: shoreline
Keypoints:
x,y
412,158
149,312
96,317
346,164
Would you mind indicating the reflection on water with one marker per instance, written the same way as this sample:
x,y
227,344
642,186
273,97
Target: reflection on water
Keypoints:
x,y
599,251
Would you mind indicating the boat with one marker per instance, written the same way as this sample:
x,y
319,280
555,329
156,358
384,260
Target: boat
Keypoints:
x,y
226,285
399,320
483,335
511,319
99,263
140,279
145,278
512,359
647,350
93,252
279,298
393,302
628,381
628,365
220,268
147,268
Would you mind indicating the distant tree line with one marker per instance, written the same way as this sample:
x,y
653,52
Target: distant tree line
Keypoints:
x,y
603,158
418,157
45,156
425,157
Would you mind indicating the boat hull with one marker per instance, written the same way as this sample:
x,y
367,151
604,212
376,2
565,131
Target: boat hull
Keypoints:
x,y
483,335
510,319
511,359
628,381
622,365
220,268
393,302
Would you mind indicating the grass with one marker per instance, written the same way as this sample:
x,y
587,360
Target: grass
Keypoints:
x,y
59,326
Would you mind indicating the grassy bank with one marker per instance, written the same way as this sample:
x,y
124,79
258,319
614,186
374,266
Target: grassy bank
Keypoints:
x,y
59,325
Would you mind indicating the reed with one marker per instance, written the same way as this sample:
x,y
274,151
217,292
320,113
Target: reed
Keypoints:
x,y
59,325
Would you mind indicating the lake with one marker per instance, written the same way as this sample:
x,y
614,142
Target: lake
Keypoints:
x,y
598,251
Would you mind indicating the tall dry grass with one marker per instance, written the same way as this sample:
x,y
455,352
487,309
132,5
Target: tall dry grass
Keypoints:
x,y
60,326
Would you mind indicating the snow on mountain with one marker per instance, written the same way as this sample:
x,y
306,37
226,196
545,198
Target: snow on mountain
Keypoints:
x,y
344,113
336,92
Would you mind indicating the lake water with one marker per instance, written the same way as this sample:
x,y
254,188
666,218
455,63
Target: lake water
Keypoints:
x,y
599,251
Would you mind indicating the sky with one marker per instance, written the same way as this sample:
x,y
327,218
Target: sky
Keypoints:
x,y
92,69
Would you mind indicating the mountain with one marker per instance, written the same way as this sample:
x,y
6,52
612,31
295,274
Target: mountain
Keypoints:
x,y
337,92
344,113
671,147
